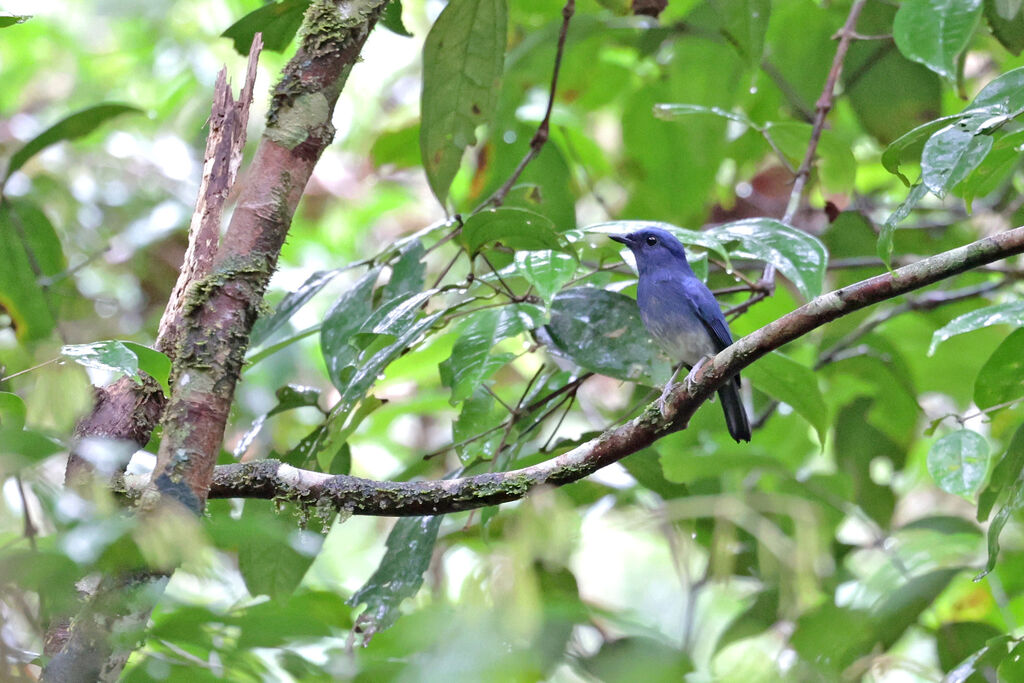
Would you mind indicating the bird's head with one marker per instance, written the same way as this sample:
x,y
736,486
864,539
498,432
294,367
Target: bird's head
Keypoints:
x,y
654,248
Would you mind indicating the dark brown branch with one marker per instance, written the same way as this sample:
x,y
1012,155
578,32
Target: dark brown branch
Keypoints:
x,y
124,411
543,130
271,479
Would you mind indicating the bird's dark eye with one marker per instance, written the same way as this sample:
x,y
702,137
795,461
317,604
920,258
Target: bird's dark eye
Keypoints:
x,y
652,240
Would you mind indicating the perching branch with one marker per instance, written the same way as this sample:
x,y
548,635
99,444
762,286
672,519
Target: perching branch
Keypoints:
x,y
272,479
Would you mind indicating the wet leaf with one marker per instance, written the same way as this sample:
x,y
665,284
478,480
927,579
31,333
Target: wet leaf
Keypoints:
x,y
601,331
399,575
797,255
999,314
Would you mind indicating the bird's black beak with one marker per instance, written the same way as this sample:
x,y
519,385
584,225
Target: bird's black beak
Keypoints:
x,y
622,239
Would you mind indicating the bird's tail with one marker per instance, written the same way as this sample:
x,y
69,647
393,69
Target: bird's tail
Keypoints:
x,y
735,413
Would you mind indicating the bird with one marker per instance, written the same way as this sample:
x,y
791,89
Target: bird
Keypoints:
x,y
682,315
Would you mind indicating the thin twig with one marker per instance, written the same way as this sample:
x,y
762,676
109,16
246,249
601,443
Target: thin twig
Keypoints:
x,y
822,108
30,528
543,130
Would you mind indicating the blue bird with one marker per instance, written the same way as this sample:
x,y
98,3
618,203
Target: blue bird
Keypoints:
x,y
682,315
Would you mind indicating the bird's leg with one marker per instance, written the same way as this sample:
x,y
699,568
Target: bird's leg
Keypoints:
x,y
668,389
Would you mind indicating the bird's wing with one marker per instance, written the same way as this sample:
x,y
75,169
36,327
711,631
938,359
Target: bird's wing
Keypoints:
x,y
710,314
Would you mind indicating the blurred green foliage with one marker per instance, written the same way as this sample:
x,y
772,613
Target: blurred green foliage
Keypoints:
x,y
842,542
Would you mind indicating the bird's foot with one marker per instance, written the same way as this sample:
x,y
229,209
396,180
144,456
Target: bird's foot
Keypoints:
x,y
691,378
664,395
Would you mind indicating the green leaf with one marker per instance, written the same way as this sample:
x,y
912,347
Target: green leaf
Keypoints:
x,y
399,575
951,154
407,272
74,126
1007,471
463,57
1001,378
471,361
291,303
288,398
885,235
673,111
278,22
785,380
959,639
743,23
122,358
26,443
515,228
999,314
981,665
339,429
480,413
1014,503
341,323
12,411
1007,28
601,331
836,165
273,555
31,250
547,271
935,32
799,256
911,143
1012,667
958,462
13,19
153,363
392,19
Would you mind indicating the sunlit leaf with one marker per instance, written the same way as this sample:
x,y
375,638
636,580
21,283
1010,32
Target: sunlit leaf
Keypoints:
x,y
399,575
785,380
998,314
601,331
934,32
76,125
121,358
797,255
958,462
462,65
